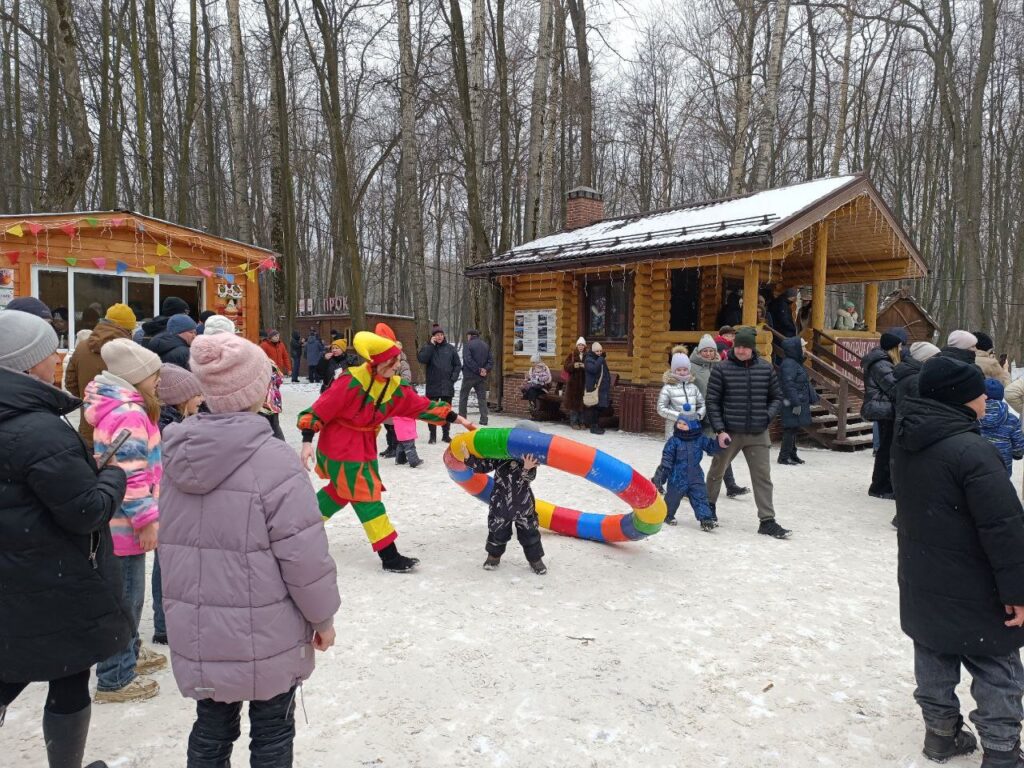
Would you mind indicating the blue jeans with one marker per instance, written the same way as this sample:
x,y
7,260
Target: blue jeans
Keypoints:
x,y
697,493
997,684
119,670
159,623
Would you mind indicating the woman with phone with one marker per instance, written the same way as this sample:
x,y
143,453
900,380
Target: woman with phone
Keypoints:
x,y
61,609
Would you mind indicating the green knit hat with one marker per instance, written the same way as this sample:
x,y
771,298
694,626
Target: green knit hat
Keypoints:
x,y
746,337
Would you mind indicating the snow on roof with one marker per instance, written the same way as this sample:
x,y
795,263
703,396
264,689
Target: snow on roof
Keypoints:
x,y
756,214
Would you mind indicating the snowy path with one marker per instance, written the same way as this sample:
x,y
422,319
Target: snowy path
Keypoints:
x,y
688,649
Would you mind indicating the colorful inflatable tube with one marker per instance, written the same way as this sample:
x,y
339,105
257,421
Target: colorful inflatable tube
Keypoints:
x,y
575,458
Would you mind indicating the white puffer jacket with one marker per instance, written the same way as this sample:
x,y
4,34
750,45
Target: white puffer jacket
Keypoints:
x,y
675,395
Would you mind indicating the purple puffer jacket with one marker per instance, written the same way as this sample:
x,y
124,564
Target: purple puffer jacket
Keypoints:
x,y
243,554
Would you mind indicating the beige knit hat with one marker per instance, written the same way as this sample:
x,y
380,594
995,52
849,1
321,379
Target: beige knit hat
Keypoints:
x,y
129,361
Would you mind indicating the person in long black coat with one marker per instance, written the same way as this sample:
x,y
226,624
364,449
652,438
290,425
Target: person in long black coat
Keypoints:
x,y
60,605
798,397
961,565
597,376
443,369
879,389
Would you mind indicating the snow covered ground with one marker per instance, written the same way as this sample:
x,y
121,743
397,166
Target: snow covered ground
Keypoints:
x,y
687,649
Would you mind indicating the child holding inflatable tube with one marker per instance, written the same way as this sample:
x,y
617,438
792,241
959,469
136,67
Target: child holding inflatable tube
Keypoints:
x,y
512,505
680,468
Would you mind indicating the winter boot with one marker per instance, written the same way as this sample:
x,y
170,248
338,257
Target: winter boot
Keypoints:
x,y
400,457
671,521
492,563
941,748
392,446
595,429
160,638
65,737
538,567
714,513
139,689
736,490
149,661
433,435
408,449
786,451
773,529
794,455
708,525
446,436
394,562
1011,759
574,419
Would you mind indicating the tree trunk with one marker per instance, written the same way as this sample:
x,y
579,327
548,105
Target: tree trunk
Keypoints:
x,y
844,92
547,187
741,114
184,174
156,111
141,109
766,131
586,100
410,161
537,123
812,90
236,128
73,173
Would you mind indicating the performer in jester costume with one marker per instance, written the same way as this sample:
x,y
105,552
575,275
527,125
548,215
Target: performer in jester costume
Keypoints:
x,y
348,416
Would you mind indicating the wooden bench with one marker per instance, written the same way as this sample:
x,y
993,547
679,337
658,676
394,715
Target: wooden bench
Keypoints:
x,y
549,405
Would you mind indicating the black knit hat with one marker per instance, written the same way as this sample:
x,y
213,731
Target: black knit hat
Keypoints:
x,y
890,341
950,381
174,305
985,343
746,337
436,329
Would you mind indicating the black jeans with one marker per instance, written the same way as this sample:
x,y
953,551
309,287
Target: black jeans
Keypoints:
x,y
296,361
67,695
218,725
881,477
997,684
480,387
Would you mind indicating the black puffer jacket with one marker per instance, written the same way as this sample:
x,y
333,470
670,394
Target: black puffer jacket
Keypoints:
x,y
743,397
963,355
961,533
171,348
443,368
879,386
60,584
904,377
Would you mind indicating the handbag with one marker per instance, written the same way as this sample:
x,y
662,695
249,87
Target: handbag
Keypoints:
x,y
592,397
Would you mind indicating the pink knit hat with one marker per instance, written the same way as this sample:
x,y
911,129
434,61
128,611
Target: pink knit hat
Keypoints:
x,y
233,372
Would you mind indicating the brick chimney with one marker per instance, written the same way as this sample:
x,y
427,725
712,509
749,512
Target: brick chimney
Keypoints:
x,y
583,206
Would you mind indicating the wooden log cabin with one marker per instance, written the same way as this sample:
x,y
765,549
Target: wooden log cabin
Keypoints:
x,y
79,263
642,283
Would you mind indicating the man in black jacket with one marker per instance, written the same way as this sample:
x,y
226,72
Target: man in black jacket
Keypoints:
x,y
172,306
477,365
443,369
173,344
743,400
961,566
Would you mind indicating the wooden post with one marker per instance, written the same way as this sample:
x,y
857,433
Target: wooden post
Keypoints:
x,y
871,306
751,278
820,272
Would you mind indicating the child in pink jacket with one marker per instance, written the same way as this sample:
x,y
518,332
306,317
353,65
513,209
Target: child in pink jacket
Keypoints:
x,y
123,397
249,587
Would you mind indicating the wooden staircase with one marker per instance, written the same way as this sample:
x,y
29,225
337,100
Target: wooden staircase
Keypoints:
x,y
836,422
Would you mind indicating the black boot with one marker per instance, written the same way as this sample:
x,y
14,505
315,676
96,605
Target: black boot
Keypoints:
x,y
433,435
794,456
786,451
394,562
400,457
408,449
446,436
65,737
392,446
1011,759
941,748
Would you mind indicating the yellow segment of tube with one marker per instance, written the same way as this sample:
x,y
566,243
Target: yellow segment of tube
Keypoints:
x,y
654,514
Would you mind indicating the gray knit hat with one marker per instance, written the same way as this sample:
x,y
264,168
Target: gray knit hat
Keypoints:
x,y
25,340
177,385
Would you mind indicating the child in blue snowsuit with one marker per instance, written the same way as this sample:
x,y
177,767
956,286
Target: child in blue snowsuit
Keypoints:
x,y
680,467
1000,427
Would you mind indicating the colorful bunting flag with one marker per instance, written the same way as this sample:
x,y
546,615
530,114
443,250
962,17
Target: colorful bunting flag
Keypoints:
x,y
69,229
116,222
251,274
34,228
150,270
229,278
181,266
121,267
268,264
205,272
42,255
13,256
92,221
219,271
71,260
161,249
100,262
16,230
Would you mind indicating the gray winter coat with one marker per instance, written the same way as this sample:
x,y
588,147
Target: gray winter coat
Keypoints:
x,y
245,568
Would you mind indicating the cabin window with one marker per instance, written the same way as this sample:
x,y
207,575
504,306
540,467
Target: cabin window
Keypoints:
x,y
606,303
685,312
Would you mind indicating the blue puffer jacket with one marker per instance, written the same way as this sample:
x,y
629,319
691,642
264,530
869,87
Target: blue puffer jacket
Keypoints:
x,y
680,459
796,386
1002,429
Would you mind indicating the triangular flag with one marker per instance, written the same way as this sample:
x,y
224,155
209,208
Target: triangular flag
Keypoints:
x,y
121,267
91,221
219,271
229,278
251,274
34,228
71,260
161,249
100,262
150,270
69,229
268,264
181,266
16,230
13,256
140,227
205,272
42,255
116,222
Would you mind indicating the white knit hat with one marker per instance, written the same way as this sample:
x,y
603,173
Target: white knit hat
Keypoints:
x,y
582,341
25,340
596,348
218,324
706,342
923,350
129,361
962,340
